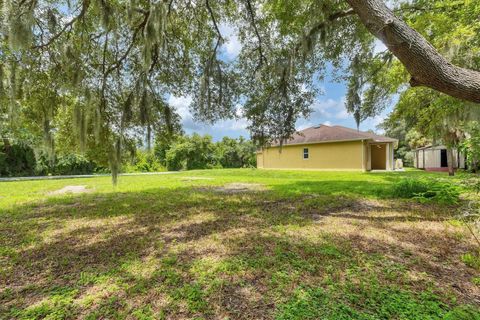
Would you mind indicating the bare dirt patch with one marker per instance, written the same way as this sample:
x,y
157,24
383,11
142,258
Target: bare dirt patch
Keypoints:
x,y
71,189
238,187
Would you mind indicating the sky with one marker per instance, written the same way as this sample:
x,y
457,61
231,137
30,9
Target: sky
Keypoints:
x,y
328,108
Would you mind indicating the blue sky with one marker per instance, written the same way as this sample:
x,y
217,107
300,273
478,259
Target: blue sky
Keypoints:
x,y
328,108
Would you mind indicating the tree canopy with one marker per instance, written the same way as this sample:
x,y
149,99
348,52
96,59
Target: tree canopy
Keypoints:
x,y
112,63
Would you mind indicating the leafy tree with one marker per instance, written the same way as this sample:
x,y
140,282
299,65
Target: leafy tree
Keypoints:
x,y
73,164
199,152
164,140
144,161
16,159
236,153
471,145
191,152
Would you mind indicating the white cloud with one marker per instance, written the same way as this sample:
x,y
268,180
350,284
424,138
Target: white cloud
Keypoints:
x,y
182,107
181,104
372,123
343,114
232,45
378,119
231,124
327,123
330,108
305,125
229,127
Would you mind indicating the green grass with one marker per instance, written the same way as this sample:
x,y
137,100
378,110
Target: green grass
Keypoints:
x,y
300,245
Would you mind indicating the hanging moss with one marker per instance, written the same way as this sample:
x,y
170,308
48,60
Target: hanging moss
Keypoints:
x,y
19,26
12,93
80,125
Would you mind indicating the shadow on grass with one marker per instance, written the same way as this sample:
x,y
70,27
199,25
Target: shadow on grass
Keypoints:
x,y
187,252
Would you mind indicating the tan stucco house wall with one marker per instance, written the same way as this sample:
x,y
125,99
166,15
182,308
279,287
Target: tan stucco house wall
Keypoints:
x,y
339,155
345,155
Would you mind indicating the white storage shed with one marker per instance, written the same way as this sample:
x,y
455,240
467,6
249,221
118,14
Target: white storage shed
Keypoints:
x,y
434,158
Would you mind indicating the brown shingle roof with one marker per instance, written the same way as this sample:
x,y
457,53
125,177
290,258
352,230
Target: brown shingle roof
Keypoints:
x,y
324,133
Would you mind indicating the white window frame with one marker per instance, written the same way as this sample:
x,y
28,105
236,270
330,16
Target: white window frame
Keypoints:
x,y
306,153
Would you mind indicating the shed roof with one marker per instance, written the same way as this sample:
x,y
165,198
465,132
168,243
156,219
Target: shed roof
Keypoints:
x,y
324,133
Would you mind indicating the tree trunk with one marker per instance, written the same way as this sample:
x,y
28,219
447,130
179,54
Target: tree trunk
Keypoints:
x,y
424,63
6,142
450,161
474,165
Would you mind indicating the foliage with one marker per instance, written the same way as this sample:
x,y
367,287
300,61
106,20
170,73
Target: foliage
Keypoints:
x,y
434,117
191,152
415,139
16,160
437,190
143,161
197,152
470,216
471,260
440,192
471,145
409,187
236,153
73,164
429,115
179,152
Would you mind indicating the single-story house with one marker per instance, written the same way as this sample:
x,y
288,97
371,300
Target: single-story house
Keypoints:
x,y
330,148
434,158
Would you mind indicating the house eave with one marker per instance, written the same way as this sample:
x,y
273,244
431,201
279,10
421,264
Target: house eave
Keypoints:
x,y
330,141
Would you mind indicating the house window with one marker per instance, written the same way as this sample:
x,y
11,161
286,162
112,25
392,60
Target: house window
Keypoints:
x,y
305,153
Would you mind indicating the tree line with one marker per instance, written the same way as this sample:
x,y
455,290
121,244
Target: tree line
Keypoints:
x,y
182,152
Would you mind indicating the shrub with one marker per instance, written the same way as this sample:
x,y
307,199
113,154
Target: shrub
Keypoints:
x,y
192,152
200,152
144,162
175,158
73,164
427,190
16,160
409,188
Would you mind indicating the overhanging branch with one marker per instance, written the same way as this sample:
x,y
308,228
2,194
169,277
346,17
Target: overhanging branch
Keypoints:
x,y
425,64
85,5
262,57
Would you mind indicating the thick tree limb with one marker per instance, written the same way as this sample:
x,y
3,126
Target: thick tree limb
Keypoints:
x,y
124,56
424,63
212,16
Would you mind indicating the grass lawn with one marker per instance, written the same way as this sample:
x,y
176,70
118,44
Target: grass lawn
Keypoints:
x,y
232,244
